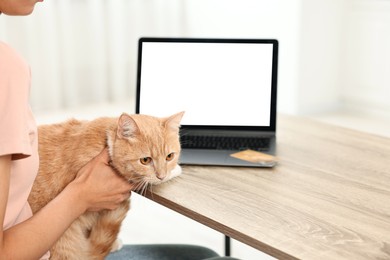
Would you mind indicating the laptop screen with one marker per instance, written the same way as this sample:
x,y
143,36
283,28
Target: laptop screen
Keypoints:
x,y
216,82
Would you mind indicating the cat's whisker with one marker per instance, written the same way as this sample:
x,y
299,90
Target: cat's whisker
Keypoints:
x,y
136,181
151,190
182,140
144,185
145,188
139,185
141,188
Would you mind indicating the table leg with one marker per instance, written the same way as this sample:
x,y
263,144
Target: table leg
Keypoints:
x,y
227,245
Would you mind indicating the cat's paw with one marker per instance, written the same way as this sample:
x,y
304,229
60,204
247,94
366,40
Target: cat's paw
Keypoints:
x,y
118,244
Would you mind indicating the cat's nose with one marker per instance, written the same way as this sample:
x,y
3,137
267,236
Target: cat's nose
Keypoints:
x,y
160,176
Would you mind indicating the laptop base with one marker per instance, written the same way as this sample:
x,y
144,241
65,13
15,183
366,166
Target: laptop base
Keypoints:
x,y
218,158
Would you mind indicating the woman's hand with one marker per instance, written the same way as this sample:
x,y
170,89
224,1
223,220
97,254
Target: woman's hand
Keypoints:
x,y
100,186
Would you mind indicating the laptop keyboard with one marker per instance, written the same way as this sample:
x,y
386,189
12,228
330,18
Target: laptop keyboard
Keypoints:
x,y
225,142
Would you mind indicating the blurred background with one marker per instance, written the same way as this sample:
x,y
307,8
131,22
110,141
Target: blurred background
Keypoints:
x,y
334,66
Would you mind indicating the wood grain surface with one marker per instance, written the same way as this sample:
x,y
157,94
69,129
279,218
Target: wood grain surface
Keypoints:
x,y
328,197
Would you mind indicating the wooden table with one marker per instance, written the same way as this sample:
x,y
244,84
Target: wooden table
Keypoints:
x,y
328,197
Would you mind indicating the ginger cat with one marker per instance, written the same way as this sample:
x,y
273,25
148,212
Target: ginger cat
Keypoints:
x,y
144,149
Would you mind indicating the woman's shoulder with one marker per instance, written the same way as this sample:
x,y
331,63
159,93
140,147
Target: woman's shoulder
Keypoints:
x,y
9,55
6,50
11,60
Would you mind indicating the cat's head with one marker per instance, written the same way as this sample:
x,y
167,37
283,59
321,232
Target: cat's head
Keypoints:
x,y
146,149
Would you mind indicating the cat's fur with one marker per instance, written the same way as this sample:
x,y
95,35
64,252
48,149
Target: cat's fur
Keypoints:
x,y
64,148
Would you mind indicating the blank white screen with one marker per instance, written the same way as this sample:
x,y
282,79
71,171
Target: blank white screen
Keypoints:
x,y
225,84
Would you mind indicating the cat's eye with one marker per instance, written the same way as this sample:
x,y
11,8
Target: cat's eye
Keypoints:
x,y
145,160
170,156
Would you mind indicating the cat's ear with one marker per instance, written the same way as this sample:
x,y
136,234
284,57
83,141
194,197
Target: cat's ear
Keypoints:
x,y
173,122
127,127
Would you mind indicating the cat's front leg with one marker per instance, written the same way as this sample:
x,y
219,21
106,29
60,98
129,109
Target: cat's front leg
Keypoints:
x,y
73,244
104,235
118,244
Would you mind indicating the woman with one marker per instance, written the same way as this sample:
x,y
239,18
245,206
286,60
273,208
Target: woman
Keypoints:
x,y
96,187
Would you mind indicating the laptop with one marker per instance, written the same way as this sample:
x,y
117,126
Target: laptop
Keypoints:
x,y
227,88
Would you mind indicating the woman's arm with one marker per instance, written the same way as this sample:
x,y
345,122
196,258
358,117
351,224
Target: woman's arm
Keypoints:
x,y
32,238
96,187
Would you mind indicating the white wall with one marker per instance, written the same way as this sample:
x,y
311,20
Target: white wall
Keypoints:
x,y
320,56
345,57
366,57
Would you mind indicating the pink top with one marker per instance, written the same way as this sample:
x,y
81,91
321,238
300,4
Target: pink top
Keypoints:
x,y
18,133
